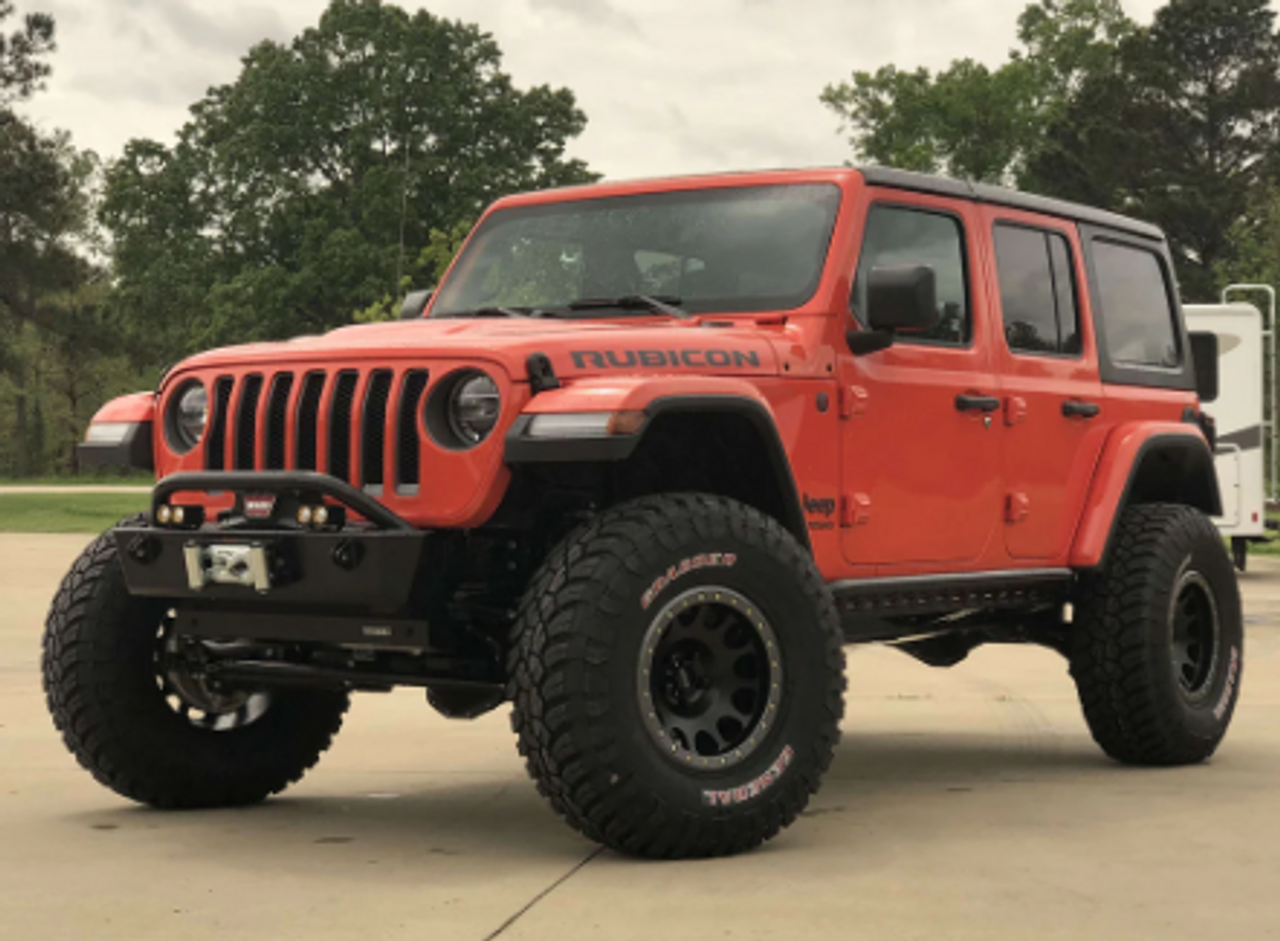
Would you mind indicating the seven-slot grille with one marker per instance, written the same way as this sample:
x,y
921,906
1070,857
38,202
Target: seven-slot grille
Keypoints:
x,y
341,422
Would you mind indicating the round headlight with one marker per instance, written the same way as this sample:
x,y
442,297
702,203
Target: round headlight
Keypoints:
x,y
189,416
473,410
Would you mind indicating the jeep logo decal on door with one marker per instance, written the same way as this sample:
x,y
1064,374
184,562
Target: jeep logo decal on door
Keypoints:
x,y
819,506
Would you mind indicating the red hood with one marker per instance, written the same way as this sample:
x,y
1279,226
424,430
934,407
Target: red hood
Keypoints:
x,y
574,347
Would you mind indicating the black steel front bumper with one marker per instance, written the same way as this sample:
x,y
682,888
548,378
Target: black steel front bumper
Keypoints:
x,y
369,566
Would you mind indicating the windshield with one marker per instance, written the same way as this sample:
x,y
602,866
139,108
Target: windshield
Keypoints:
x,y
711,251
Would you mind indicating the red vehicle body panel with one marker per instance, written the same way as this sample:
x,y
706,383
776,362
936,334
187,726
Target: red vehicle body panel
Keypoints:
x,y
127,409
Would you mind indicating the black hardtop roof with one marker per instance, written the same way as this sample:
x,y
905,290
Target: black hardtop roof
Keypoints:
x,y
1013,199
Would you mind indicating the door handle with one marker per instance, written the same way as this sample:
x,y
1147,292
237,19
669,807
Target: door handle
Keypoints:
x,y
977,403
1076,409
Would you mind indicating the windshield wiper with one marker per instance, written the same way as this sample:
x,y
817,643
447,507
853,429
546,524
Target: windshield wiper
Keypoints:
x,y
657,305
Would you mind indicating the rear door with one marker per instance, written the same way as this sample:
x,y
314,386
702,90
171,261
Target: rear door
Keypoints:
x,y
1047,356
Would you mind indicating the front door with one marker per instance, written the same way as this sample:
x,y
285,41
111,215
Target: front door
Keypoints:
x,y
1053,400
921,436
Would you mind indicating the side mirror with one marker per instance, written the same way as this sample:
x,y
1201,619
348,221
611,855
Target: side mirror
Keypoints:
x,y
902,298
898,298
1204,357
415,304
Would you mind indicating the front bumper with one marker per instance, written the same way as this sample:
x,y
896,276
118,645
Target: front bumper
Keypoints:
x,y
365,566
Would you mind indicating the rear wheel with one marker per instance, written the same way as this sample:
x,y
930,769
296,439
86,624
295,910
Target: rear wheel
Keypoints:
x,y
133,708
1159,641
677,675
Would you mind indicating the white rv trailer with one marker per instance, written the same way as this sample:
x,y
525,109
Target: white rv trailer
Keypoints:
x,y
1242,412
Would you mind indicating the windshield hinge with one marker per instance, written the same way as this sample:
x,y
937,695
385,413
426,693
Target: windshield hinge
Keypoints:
x,y
542,375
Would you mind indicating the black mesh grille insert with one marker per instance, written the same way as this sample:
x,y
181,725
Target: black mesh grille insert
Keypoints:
x,y
374,434
340,426
215,449
277,417
407,470
247,421
308,419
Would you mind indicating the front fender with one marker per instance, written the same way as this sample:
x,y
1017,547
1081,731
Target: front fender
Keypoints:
x,y
626,409
1144,462
633,402
121,434
637,393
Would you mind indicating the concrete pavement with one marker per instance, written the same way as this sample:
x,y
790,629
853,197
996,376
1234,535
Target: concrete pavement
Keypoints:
x,y
967,803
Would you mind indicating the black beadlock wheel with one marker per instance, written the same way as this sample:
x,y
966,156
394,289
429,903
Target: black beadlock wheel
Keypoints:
x,y
1158,646
709,678
677,676
144,725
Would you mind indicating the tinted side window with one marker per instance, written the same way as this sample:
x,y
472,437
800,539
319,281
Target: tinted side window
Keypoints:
x,y
896,236
1026,290
1037,291
1064,287
1136,315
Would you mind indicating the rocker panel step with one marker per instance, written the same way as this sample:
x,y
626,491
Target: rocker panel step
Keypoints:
x,y
878,598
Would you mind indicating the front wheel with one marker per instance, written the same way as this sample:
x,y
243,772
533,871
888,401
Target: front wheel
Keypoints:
x,y
1159,642
677,675
148,727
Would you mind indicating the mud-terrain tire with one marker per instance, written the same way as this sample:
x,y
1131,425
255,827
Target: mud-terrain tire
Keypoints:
x,y
645,615
102,689
1158,645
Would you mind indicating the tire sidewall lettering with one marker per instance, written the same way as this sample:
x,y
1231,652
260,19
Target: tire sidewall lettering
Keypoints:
x,y
694,563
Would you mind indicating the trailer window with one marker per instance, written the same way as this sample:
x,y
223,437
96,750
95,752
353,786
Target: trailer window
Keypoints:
x,y
1137,310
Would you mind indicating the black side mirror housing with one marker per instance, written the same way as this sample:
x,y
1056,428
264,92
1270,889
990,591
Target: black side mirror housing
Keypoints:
x,y
900,298
415,304
865,342
1204,357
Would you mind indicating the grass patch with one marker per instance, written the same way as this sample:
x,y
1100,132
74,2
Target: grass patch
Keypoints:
x,y
1271,547
67,513
83,480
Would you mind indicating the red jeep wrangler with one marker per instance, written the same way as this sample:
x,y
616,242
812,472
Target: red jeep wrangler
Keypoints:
x,y
647,460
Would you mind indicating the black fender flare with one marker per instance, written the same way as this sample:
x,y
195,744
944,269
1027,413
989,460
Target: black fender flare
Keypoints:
x,y
521,449
1195,484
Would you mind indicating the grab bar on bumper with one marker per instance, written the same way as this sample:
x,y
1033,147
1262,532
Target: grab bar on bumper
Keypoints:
x,y
277,482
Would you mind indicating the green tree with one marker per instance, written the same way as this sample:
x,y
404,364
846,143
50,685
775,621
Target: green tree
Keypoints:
x,y
432,262
23,52
301,192
44,211
36,194
1184,130
969,120
1257,242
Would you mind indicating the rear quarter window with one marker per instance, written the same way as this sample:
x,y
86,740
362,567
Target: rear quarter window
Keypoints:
x,y
1138,317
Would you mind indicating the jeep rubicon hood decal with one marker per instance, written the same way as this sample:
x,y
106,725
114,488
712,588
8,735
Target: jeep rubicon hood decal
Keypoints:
x,y
575,348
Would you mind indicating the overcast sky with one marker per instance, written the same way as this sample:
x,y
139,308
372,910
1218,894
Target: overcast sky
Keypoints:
x,y
669,86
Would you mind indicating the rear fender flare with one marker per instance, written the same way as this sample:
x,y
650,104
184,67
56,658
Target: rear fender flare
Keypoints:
x,y
1144,463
